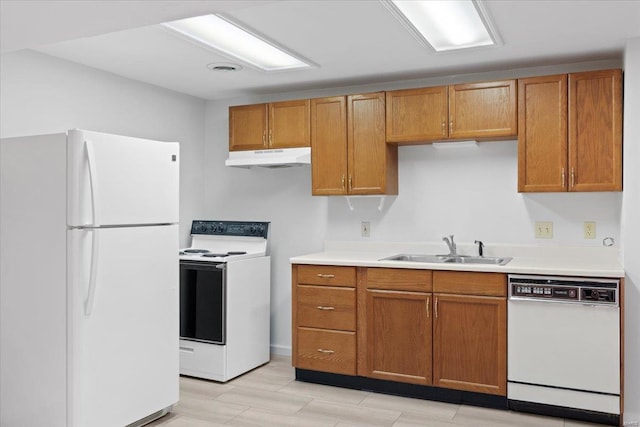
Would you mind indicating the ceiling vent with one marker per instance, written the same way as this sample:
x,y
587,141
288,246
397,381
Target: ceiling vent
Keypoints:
x,y
223,66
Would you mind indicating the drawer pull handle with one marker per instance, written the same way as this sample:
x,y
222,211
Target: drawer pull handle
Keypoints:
x,y
321,350
325,307
326,276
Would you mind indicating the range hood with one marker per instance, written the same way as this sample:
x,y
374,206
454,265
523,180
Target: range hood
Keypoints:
x,y
274,158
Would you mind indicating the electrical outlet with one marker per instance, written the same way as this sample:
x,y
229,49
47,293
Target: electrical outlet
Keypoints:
x,y
365,229
589,229
544,230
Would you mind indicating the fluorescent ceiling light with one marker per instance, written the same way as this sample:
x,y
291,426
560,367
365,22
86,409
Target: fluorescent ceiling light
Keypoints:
x,y
447,24
230,39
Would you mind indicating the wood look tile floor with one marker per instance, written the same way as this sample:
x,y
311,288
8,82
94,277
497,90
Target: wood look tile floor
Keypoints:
x,y
270,396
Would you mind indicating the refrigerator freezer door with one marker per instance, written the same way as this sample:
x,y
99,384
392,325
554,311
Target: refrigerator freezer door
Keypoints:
x,y
123,363
118,180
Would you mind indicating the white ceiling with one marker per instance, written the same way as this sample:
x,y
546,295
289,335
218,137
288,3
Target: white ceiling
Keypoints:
x,y
352,41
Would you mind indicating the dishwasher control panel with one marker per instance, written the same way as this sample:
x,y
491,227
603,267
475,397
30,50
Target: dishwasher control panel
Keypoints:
x,y
568,289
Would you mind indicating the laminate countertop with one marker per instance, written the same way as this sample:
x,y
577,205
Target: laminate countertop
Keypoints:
x,y
590,261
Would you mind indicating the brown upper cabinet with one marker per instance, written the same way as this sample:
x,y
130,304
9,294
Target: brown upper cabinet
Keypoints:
x,y
570,132
349,154
275,125
417,115
481,111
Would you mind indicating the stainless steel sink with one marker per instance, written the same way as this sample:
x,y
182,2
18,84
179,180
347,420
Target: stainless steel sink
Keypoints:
x,y
417,258
478,260
452,259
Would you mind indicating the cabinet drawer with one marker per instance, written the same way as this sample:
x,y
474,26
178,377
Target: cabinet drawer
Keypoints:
x,y
327,351
326,307
470,283
326,275
399,279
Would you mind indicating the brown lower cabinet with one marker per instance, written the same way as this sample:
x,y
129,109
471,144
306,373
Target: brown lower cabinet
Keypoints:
x,y
324,318
444,329
398,341
469,343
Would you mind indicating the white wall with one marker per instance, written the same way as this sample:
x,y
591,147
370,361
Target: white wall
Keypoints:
x,y
631,229
42,94
470,192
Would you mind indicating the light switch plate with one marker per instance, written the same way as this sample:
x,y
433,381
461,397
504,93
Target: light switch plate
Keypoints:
x,y
365,229
544,230
589,229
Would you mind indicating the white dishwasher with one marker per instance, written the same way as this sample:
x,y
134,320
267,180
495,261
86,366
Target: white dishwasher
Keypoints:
x,y
564,347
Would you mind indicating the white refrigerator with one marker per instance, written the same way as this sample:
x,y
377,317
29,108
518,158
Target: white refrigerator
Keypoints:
x,y
89,280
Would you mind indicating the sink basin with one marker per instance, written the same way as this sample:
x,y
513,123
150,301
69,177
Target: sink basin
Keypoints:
x,y
417,258
478,260
457,259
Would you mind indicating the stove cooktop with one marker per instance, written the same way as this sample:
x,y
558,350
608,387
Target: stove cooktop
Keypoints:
x,y
223,241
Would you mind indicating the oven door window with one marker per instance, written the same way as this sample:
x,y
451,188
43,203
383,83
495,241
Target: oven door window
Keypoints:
x,y
202,302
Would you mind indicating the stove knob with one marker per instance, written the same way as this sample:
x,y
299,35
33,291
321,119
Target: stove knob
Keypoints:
x,y
595,294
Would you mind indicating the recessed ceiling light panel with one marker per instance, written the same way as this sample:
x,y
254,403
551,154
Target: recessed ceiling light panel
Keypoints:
x,y
229,38
446,24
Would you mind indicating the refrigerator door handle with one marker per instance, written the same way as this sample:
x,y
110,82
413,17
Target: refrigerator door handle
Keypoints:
x,y
93,274
91,159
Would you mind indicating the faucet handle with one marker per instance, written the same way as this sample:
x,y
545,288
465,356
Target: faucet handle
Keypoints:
x,y
480,247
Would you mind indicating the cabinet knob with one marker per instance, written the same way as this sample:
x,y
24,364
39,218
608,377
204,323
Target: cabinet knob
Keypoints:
x,y
342,182
321,350
562,178
350,183
270,138
325,307
326,276
573,178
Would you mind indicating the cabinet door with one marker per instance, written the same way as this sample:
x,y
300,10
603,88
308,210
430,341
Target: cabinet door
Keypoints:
x,y
329,146
398,336
372,164
470,343
595,131
289,124
483,110
248,127
417,115
542,134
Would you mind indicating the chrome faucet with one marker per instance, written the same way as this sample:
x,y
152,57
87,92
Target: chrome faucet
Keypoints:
x,y
452,246
480,247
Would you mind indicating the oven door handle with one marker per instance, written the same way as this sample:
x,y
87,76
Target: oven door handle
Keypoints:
x,y
221,266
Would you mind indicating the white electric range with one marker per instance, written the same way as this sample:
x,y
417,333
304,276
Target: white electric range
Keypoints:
x,y
225,288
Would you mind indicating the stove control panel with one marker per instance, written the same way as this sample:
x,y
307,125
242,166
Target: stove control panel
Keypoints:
x,y
230,228
566,289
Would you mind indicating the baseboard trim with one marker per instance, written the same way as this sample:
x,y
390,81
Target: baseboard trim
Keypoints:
x,y
281,350
404,389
